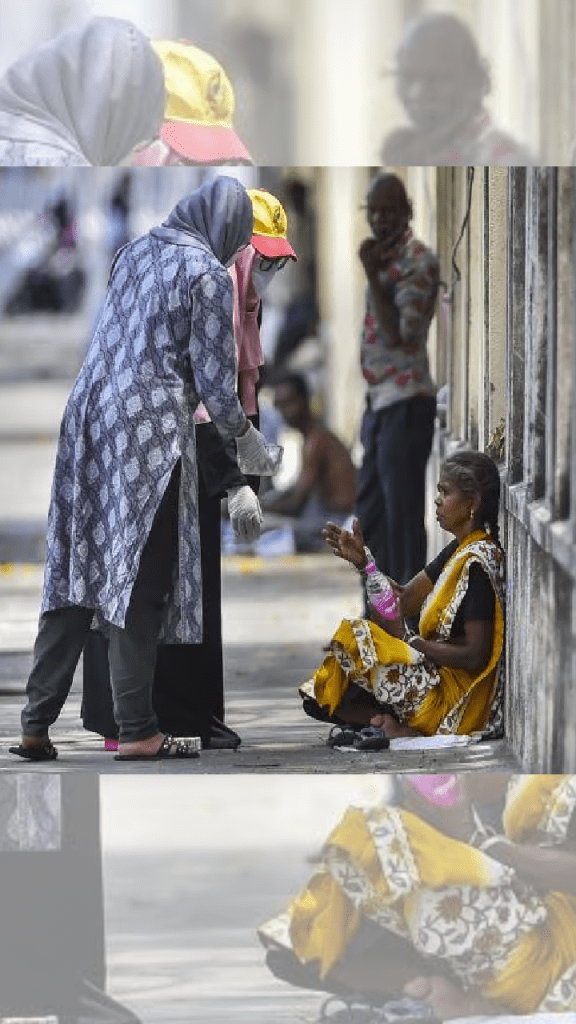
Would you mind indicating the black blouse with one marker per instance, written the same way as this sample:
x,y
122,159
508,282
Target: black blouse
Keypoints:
x,y
479,602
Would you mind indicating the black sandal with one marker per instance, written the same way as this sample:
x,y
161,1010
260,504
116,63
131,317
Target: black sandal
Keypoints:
x,y
342,736
368,738
47,752
358,1011
220,736
171,748
372,738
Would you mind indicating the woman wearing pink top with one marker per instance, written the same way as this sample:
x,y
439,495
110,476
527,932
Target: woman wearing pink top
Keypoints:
x,y
189,686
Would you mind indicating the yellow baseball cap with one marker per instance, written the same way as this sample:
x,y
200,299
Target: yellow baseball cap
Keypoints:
x,y
270,225
199,107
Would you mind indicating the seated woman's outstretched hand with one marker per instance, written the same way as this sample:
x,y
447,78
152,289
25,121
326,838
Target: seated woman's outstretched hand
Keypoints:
x,y
349,546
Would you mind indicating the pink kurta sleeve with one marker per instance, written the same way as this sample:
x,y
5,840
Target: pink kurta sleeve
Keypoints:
x,y
246,334
248,344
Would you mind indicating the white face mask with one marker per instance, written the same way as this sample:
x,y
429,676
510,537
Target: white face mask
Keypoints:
x,y
262,278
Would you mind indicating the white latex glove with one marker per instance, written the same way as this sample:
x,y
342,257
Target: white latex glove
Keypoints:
x,y
255,455
245,513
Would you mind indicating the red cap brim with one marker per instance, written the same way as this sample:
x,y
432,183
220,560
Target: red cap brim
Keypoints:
x,y
204,144
275,246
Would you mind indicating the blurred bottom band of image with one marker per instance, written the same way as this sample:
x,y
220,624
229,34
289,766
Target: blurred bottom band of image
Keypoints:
x,y
287,898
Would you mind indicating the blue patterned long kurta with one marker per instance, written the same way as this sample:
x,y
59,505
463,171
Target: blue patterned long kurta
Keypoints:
x,y
163,343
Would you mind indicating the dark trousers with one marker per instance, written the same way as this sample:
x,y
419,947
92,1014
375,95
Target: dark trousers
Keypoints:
x,y
390,501
189,679
62,634
188,690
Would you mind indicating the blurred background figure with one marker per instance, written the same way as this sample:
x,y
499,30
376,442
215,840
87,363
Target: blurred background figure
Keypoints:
x,y
442,82
87,97
397,427
118,215
257,55
325,487
198,119
300,315
55,280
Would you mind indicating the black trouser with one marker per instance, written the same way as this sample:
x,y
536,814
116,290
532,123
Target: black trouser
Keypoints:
x,y
391,494
188,679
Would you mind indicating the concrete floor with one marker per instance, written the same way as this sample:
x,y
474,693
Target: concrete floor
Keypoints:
x,y
278,614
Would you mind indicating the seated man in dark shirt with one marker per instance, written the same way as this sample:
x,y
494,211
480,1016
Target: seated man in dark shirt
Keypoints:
x,y
325,488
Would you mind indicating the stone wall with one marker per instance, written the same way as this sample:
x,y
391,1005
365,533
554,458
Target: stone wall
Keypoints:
x,y
509,344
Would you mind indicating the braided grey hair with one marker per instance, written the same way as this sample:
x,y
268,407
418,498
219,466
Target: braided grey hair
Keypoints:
x,y
476,476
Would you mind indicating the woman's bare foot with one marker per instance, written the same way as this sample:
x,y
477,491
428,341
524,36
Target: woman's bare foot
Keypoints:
x,y
151,745
391,727
447,999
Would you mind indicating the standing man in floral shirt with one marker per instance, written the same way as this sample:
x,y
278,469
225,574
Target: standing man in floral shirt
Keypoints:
x,y
398,423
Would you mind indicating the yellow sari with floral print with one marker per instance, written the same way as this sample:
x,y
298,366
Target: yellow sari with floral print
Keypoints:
x,y
502,938
429,698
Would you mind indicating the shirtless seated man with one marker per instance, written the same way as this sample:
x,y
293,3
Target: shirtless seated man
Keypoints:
x,y
326,486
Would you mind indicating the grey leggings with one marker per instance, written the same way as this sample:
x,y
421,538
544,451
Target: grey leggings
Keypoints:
x,y
62,634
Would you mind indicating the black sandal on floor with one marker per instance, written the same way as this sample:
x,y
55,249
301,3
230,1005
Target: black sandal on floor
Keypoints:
x,y
342,736
220,737
47,752
171,748
368,738
371,738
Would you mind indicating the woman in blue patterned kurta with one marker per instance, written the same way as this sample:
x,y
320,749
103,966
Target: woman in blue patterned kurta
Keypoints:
x,y
126,460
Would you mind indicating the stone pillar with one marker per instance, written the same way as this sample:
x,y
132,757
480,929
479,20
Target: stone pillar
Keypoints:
x,y
516,290
511,44
539,524
494,375
341,281
565,299
475,369
461,192
557,59
336,62
536,327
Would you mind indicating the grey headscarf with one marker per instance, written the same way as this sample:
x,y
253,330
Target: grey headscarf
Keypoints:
x,y
96,91
217,217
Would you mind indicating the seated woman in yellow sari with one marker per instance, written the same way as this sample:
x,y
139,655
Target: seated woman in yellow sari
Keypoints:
x,y
449,677
423,897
